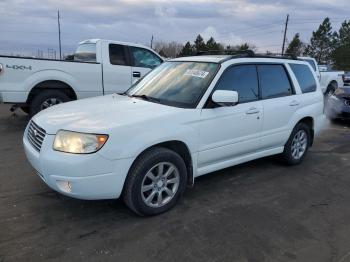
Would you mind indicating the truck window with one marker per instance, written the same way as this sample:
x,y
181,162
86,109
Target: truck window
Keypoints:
x,y
117,55
274,81
305,78
85,53
312,63
243,79
145,58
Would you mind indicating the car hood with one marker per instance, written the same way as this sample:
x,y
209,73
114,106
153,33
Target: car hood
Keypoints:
x,y
100,114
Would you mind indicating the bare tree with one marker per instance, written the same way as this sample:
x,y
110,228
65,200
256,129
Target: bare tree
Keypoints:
x,y
170,50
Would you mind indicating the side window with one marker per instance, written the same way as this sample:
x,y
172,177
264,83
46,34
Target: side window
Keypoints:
x,y
305,78
117,54
243,79
144,58
274,81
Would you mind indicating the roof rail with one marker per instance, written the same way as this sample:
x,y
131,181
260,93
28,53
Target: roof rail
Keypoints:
x,y
246,53
278,55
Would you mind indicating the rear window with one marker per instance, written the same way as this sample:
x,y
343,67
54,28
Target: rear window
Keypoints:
x,y
274,81
305,78
85,53
312,63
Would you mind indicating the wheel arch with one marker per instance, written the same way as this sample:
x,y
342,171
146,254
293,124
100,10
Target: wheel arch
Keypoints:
x,y
52,84
180,148
309,121
331,84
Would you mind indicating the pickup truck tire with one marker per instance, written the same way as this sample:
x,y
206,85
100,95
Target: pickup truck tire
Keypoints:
x,y
331,88
47,98
25,109
155,182
297,145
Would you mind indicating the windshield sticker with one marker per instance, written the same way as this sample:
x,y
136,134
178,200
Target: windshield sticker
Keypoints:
x,y
196,73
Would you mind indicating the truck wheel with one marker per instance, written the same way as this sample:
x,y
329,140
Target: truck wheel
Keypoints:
x,y
297,145
45,99
155,182
25,109
331,89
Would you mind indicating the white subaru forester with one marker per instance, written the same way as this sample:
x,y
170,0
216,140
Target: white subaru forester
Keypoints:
x,y
188,117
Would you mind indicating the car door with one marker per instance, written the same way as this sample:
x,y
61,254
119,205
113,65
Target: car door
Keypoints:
x,y
144,61
280,103
231,132
116,69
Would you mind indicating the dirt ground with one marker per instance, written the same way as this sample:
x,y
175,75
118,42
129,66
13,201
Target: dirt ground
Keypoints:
x,y
258,211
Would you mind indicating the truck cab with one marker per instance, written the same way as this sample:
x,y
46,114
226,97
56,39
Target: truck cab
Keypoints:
x,y
98,67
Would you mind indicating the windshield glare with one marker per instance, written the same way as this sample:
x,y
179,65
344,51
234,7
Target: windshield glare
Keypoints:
x,y
179,84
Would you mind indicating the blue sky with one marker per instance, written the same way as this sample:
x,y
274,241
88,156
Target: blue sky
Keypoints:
x,y
27,25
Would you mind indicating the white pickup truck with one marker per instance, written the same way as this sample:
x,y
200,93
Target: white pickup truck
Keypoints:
x,y
98,67
329,80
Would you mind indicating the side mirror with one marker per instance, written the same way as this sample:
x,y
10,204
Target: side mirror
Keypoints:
x,y
225,97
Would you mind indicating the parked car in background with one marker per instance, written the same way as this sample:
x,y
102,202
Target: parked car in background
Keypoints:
x,y
98,67
346,79
329,80
188,117
338,104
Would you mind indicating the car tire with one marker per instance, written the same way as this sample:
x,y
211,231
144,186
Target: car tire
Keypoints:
x,y
25,109
45,99
145,187
297,145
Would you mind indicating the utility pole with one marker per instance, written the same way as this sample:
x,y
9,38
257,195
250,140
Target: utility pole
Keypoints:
x,y
285,34
152,42
59,33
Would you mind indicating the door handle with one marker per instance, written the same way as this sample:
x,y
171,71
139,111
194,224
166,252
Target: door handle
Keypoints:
x,y
252,110
136,74
294,103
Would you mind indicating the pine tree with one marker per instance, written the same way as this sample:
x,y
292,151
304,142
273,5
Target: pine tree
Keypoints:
x,y
341,54
187,50
296,46
199,44
322,43
244,47
212,45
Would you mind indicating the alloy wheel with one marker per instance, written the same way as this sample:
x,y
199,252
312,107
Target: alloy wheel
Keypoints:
x,y
160,184
299,144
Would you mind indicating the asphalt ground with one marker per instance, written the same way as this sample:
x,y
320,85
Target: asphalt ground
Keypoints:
x,y
258,211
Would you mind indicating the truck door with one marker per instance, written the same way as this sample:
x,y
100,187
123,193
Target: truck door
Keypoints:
x,y
116,69
143,61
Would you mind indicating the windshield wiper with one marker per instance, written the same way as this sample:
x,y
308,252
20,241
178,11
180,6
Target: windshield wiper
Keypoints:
x,y
147,98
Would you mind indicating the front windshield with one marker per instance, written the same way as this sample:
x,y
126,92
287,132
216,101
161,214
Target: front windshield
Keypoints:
x,y
179,84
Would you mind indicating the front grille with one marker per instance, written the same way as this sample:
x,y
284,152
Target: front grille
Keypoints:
x,y
35,135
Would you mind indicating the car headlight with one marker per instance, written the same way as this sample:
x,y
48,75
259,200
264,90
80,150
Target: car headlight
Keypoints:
x,y
78,143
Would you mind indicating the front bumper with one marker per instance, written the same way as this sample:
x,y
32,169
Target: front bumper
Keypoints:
x,y
88,176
